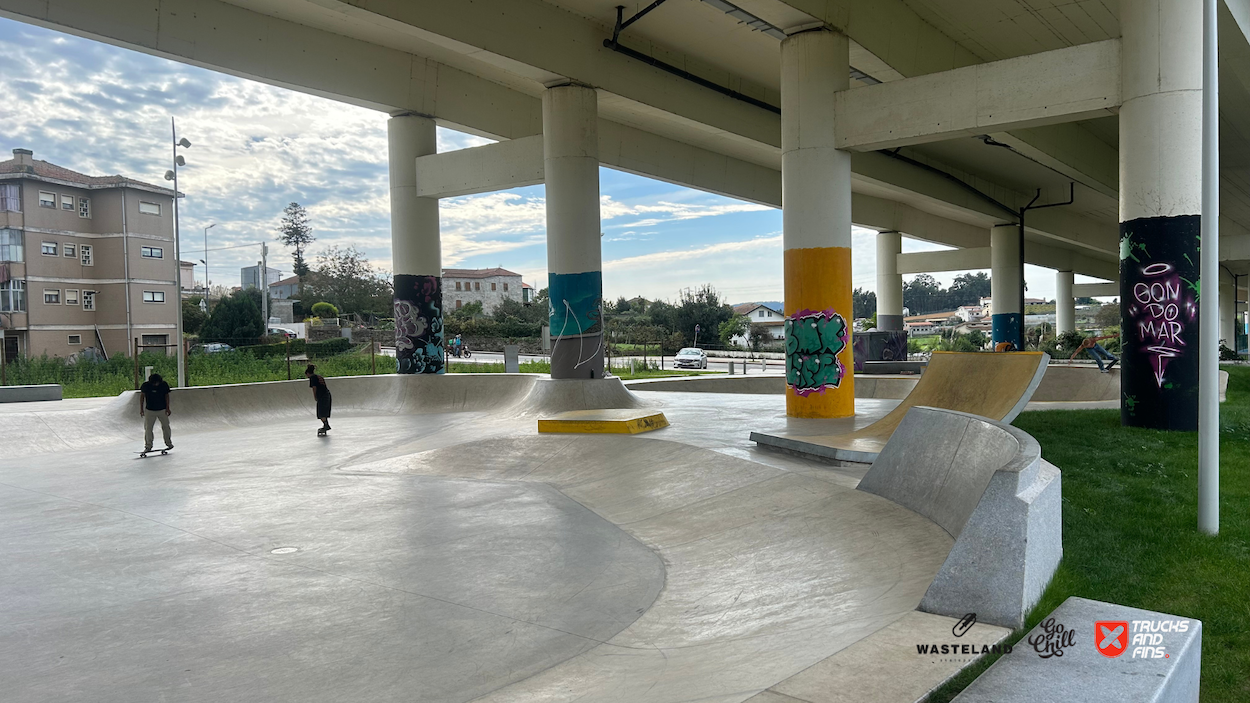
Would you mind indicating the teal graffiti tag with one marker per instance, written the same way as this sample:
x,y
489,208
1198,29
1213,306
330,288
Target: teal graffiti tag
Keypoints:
x,y
813,341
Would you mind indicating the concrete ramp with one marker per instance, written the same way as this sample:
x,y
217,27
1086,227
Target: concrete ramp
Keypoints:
x,y
210,408
996,386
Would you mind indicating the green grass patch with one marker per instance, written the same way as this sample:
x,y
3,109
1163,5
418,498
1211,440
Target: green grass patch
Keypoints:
x,y
1130,535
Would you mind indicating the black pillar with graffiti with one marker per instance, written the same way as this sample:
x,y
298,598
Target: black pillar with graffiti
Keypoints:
x,y
1159,292
419,323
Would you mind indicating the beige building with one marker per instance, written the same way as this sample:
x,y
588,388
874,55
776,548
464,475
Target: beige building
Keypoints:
x,y
85,261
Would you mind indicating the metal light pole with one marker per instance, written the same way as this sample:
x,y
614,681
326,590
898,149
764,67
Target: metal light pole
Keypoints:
x,y
172,175
207,283
1208,312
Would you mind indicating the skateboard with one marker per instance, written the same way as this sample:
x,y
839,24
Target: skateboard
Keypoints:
x,y
144,455
321,432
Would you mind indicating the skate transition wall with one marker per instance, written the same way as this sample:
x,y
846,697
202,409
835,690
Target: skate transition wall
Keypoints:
x,y
203,408
986,484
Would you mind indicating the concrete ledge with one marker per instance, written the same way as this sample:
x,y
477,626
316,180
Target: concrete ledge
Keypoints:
x,y
1166,675
603,422
26,394
986,484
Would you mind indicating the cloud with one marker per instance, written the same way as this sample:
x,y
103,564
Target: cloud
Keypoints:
x,y
665,211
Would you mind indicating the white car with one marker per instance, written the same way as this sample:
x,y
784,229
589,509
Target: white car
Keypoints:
x,y
691,358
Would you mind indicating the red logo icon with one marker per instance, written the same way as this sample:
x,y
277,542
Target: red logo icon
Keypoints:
x,y
1111,637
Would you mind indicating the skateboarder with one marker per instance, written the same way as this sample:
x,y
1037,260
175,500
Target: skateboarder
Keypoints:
x,y
154,405
321,392
1091,344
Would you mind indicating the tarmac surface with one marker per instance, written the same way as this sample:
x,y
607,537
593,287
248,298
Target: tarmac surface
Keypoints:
x,y
444,552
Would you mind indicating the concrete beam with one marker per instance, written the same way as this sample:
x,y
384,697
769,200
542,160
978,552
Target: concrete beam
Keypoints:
x,y
1095,290
937,261
1071,150
481,169
1061,259
1064,85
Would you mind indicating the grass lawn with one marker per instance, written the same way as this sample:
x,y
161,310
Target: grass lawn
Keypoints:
x,y
1130,535
545,367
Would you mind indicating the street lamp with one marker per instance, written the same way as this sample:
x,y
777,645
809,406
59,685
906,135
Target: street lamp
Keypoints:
x,y
172,175
207,283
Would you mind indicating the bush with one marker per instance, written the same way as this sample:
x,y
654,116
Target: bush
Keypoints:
x,y
329,347
324,309
1227,354
265,351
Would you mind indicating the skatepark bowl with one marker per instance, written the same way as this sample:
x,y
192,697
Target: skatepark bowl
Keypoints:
x,y
435,547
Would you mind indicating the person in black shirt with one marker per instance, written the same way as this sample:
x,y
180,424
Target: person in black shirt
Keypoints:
x,y
154,405
321,392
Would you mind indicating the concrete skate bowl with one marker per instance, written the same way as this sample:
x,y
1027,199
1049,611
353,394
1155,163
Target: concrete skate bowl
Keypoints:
x,y
866,385
767,571
995,386
208,408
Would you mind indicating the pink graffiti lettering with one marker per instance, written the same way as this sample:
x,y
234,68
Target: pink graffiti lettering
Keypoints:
x,y
1157,317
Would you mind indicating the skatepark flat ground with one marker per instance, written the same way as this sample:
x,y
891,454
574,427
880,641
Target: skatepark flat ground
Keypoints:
x,y
446,557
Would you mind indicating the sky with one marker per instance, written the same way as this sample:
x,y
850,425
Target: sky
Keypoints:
x,y
103,110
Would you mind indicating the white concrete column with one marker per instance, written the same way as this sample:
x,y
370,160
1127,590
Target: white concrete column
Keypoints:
x,y
416,250
1006,282
1228,314
574,258
1065,304
889,281
816,227
1160,204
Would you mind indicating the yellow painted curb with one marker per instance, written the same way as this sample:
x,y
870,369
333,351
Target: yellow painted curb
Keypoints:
x,y
603,422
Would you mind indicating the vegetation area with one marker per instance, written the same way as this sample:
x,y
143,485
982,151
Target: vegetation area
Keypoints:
x,y
1130,534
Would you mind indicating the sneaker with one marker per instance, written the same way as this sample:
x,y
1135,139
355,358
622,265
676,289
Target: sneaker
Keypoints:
x,y
169,447
1112,364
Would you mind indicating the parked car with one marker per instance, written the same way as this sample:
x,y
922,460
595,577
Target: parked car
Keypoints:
x,y
215,348
281,332
691,358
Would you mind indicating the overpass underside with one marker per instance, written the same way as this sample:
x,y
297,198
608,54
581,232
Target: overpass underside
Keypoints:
x,y
1067,137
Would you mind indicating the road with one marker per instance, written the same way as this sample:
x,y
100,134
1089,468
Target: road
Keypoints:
x,y
713,364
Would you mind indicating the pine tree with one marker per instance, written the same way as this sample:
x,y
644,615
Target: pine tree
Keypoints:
x,y
296,232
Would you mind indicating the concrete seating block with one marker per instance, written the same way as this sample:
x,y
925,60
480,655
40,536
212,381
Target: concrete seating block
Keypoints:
x,y
26,394
1104,652
986,484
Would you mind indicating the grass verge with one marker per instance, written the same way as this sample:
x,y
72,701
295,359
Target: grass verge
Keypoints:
x,y
1130,536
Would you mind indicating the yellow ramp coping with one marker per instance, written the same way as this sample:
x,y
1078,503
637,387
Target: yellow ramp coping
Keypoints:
x,y
612,421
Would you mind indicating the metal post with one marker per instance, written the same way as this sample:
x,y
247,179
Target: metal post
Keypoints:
x,y
182,372
288,358
1208,312
4,374
264,287
136,355
373,359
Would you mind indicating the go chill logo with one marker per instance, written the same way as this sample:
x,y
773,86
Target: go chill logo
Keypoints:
x,y
1144,639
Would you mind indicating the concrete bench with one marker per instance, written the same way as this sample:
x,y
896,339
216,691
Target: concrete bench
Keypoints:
x,y
25,394
986,484
1158,658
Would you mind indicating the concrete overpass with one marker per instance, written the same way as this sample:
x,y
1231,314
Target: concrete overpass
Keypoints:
x,y
941,120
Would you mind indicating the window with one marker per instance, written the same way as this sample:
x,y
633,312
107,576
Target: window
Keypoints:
x,y
75,339
69,250
88,300
154,340
47,199
477,285
153,296
505,287
71,296
152,252
51,296
761,314
149,208
10,245
492,286
457,285
85,256
458,303
10,201
67,202
48,249
13,296
84,207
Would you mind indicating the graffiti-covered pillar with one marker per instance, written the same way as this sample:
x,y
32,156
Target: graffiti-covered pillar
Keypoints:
x,y
415,249
889,281
1160,204
574,260
1006,284
1065,304
816,227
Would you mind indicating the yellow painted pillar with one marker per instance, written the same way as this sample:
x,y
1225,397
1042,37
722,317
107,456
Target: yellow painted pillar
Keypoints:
x,y
816,227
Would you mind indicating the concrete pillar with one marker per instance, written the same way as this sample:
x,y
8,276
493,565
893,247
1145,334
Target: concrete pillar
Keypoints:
x,y
889,281
574,259
1228,314
1006,282
1160,205
816,227
1065,304
416,251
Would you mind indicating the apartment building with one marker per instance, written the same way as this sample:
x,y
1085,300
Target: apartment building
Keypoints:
x,y
86,262
490,287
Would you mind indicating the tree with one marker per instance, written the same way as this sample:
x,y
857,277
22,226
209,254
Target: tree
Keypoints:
x,y
193,317
736,326
923,294
702,307
863,303
324,309
295,232
1108,315
622,305
469,311
345,278
235,319
969,288
759,336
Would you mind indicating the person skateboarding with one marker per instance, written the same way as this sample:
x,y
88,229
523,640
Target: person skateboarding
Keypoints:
x,y
321,392
1091,345
154,405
